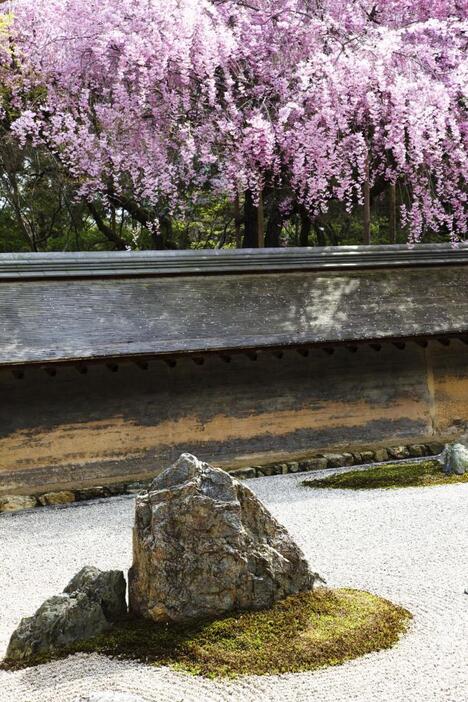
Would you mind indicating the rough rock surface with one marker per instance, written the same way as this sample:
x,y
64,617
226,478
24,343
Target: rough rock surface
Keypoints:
x,y
14,503
204,545
108,588
90,603
455,459
57,498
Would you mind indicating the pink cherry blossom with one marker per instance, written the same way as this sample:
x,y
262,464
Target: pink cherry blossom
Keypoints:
x,y
151,100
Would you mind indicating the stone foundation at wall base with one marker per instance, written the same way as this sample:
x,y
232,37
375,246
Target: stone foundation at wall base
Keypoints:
x,y
11,503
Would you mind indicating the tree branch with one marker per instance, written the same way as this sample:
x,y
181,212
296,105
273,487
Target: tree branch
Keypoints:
x,y
104,228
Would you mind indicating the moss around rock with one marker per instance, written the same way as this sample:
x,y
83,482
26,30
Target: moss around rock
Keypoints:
x,y
321,628
390,475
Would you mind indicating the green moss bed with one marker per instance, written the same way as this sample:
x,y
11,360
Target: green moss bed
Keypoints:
x,y
390,475
303,632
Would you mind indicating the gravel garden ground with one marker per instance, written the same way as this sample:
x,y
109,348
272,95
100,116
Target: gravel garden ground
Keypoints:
x,y
408,545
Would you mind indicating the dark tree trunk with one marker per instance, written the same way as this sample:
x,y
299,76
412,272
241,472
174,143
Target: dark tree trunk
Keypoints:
x,y
392,215
332,235
306,227
320,234
367,206
237,221
250,223
274,226
104,228
163,240
261,223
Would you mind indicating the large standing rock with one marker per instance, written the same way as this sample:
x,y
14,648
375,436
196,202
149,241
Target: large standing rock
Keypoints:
x,y
455,459
204,545
91,602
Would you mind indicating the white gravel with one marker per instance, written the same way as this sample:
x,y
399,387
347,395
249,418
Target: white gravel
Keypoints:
x,y
408,545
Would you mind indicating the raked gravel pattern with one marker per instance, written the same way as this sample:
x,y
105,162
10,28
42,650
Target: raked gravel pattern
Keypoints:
x,y
408,545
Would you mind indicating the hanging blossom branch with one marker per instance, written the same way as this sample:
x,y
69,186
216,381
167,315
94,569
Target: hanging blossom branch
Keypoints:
x,y
150,100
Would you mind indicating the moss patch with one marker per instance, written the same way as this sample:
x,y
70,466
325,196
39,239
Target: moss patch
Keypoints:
x,y
390,475
303,632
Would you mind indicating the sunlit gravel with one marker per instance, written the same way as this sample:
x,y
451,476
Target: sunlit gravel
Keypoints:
x,y
409,545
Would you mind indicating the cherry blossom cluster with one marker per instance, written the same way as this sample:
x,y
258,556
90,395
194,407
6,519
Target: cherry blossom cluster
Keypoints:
x,y
154,99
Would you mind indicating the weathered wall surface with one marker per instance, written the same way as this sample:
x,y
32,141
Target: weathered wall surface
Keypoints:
x,y
79,429
44,320
448,370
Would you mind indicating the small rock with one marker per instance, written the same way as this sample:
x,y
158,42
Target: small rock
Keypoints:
x,y
204,545
137,486
381,455
335,460
56,498
367,457
243,473
13,503
59,621
318,463
435,449
417,450
284,468
357,458
92,601
293,467
398,452
117,489
273,469
348,458
455,459
92,493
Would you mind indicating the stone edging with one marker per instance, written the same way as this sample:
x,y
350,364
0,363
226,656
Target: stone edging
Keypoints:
x,y
13,503
340,460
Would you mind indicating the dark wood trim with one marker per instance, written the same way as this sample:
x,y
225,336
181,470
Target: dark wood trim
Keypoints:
x,y
254,354
33,266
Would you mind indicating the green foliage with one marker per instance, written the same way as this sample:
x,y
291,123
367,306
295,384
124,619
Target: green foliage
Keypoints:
x,y
39,211
390,475
321,628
